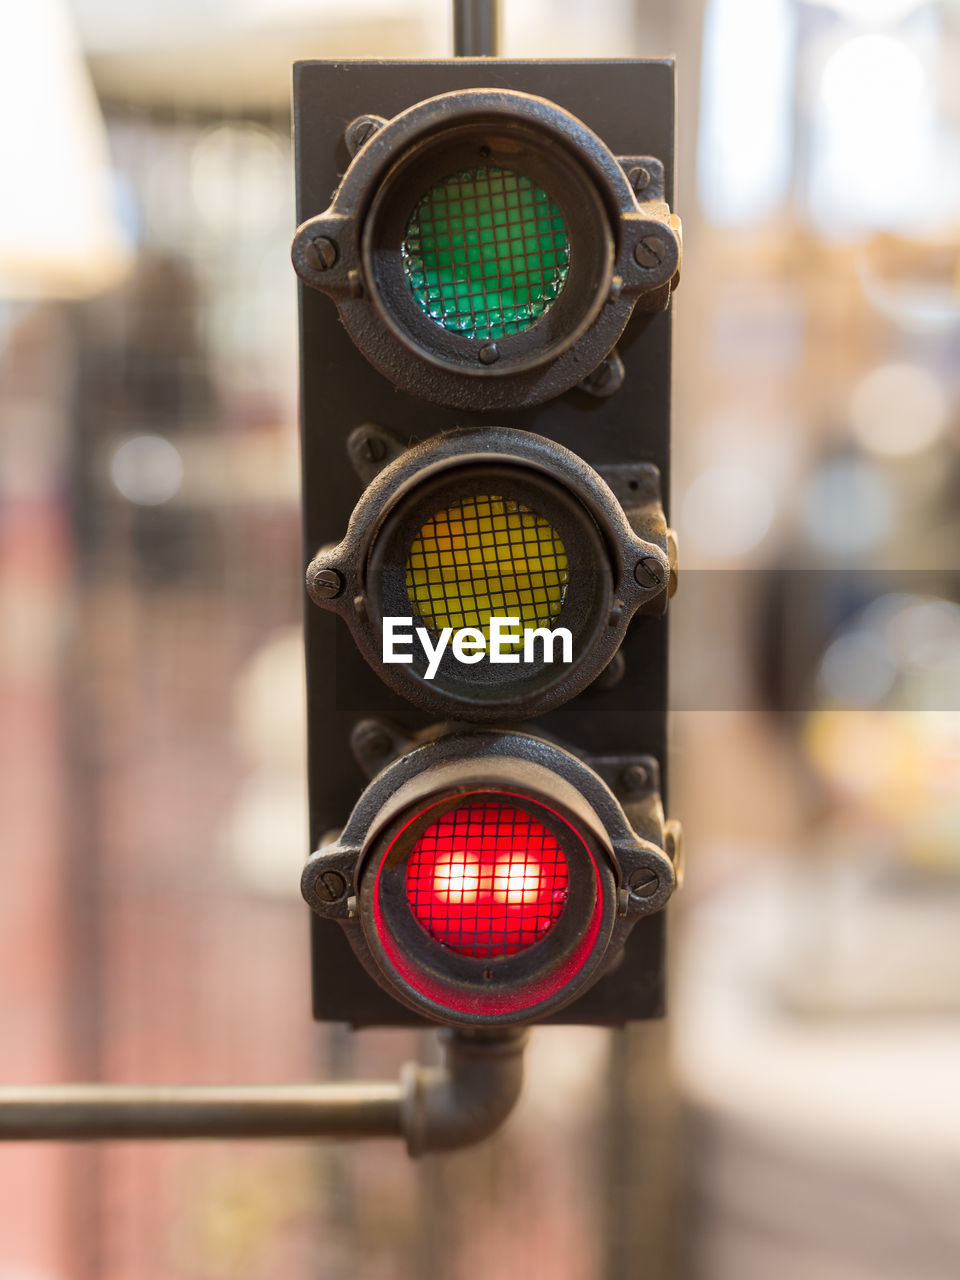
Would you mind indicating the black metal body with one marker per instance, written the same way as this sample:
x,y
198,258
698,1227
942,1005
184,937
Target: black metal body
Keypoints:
x,y
604,545
630,105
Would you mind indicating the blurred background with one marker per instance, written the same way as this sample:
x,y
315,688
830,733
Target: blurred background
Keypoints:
x,y
798,1115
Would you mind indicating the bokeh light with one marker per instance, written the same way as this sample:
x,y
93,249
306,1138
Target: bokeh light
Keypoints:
x,y
727,511
873,12
240,180
898,409
147,470
847,507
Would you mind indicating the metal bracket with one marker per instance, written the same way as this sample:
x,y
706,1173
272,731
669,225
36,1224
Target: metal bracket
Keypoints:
x,y
635,781
606,379
637,487
327,881
377,741
370,448
646,177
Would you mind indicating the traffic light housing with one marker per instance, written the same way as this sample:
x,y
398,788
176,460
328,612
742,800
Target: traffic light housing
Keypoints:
x,y
484,522
490,843
486,249
489,876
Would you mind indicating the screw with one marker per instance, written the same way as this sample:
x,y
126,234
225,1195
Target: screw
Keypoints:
x,y
650,252
320,254
489,354
607,378
649,573
373,448
611,675
360,131
600,376
371,740
326,584
639,178
330,885
644,883
636,777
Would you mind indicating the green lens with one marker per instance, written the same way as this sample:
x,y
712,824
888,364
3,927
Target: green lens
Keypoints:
x,y
485,253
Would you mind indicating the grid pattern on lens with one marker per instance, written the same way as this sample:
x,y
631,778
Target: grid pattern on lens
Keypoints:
x,y
487,879
485,253
486,557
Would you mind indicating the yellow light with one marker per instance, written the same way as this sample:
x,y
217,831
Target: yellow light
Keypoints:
x,y
487,557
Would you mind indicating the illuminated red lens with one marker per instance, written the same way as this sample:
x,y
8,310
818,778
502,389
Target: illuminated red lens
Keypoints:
x,y
487,880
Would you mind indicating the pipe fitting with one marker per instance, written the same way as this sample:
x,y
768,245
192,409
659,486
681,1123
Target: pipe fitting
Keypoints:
x,y
467,1098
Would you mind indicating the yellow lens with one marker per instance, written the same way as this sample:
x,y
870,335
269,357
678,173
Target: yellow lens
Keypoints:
x,y
487,557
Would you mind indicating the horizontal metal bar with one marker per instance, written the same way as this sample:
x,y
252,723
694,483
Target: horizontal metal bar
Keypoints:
x,y
432,1108
96,1111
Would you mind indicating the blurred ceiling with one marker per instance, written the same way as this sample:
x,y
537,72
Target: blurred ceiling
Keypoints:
x,y
235,55
214,55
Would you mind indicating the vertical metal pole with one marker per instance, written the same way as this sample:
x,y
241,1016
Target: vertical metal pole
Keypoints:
x,y
476,28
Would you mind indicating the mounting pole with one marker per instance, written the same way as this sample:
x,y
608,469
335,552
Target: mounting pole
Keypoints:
x,y
476,28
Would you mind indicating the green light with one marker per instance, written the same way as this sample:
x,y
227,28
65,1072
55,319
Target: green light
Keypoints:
x,y
485,253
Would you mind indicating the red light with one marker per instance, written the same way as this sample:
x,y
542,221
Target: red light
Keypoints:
x,y
487,879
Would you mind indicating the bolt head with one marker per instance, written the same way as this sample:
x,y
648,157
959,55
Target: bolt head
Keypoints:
x,y
601,375
489,354
327,584
639,178
644,883
329,885
320,254
372,740
373,448
607,378
650,252
360,131
611,675
636,777
649,573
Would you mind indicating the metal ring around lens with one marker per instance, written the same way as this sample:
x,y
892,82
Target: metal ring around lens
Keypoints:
x,y
361,269
587,286
609,546
472,990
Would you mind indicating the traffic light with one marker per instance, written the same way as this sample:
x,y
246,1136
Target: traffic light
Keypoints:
x,y
487,255
485,248
480,524
490,876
